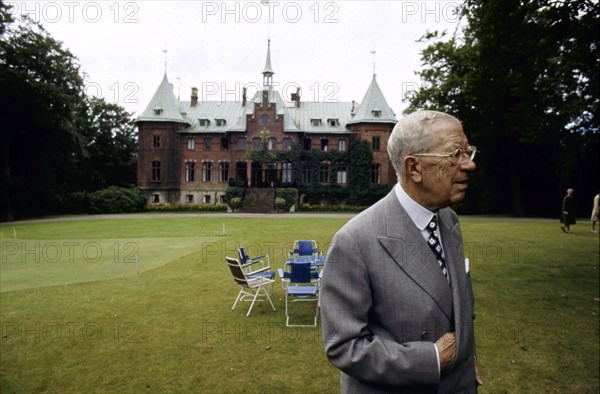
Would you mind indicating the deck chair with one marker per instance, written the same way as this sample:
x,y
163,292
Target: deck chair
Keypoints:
x,y
305,248
254,264
251,286
301,284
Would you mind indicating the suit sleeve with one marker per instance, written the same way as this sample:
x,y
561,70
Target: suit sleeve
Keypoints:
x,y
351,343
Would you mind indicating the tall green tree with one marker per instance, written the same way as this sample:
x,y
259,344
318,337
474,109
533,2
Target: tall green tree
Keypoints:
x,y
111,146
42,105
523,78
55,141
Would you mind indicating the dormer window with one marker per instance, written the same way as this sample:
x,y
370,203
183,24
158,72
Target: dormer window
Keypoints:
x,y
158,111
376,113
204,122
220,122
316,122
333,122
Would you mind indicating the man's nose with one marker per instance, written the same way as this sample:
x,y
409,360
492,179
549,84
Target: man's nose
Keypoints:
x,y
468,165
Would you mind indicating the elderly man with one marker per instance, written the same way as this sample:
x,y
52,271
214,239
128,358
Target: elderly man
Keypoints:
x,y
396,297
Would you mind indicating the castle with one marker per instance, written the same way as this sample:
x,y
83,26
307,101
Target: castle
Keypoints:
x,y
190,152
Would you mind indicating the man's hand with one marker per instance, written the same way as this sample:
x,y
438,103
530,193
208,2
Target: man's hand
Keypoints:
x,y
478,378
446,346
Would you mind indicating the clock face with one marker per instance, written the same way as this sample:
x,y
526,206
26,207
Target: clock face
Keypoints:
x,y
264,119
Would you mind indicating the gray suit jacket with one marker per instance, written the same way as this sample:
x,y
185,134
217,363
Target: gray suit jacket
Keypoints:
x,y
385,301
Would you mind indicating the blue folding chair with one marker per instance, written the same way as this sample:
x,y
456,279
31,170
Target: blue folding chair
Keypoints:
x,y
301,283
252,289
249,264
305,248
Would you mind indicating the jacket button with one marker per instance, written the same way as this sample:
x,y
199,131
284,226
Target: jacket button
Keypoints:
x,y
424,334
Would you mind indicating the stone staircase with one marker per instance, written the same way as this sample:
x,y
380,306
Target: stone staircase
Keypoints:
x,y
258,200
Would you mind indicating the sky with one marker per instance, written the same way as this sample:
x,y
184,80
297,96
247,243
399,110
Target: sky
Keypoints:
x,y
330,49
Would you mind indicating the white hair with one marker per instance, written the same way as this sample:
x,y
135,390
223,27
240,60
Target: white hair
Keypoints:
x,y
412,134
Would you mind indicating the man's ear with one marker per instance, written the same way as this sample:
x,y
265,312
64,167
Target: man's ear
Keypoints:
x,y
412,169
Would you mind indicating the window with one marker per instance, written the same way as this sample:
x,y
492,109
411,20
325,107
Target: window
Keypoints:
x,y
156,141
256,143
224,143
241,168
342,145
376,113
376,173
220,122
316,122
190,171
375,143
272,143
287,143
191,142
206,199
306,172
286,172
306,143
155,198
264,119
242,143
158,111
342,173
204,122
206,172
324,172
324,144
223,172
223,199
189,198
333,122
156,170
207,143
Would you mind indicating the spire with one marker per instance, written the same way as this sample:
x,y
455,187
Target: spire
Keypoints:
x,y
268,71
373,108
163,106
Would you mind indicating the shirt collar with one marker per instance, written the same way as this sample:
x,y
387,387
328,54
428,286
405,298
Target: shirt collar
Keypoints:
x,y
420,215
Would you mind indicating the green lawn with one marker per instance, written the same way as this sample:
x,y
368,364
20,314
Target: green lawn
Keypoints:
x,y
144,305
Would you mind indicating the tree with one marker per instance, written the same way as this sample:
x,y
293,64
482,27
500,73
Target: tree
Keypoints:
x,y
42,97
111,147
523,78
56,144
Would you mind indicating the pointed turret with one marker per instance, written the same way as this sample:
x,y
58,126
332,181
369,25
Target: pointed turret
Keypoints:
x,y
373,108
268,71
163,106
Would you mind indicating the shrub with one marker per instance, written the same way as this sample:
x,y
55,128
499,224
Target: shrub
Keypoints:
x,y
117,200
279,203
333,208
235,203
234,192
186,208
289,195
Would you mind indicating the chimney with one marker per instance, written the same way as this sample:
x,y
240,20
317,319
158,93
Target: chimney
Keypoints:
x,y
353,106
194,96
244,96
296,97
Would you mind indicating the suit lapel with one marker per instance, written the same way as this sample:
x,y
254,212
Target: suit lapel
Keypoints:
x,y
405,244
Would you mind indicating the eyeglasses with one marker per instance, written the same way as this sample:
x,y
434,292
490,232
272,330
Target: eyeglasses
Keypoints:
x,y
456,154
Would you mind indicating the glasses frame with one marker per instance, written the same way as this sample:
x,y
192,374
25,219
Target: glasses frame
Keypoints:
x,y
457,154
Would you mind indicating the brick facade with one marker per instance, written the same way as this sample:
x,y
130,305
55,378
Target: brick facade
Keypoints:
x,y
190,152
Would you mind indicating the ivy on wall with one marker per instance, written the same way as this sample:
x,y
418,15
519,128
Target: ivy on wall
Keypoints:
x,y
358,190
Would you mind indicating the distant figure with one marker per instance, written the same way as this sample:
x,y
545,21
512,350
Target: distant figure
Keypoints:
x,y
595,211
568,212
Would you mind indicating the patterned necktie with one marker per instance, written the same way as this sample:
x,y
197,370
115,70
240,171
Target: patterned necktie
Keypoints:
x,y
436,247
